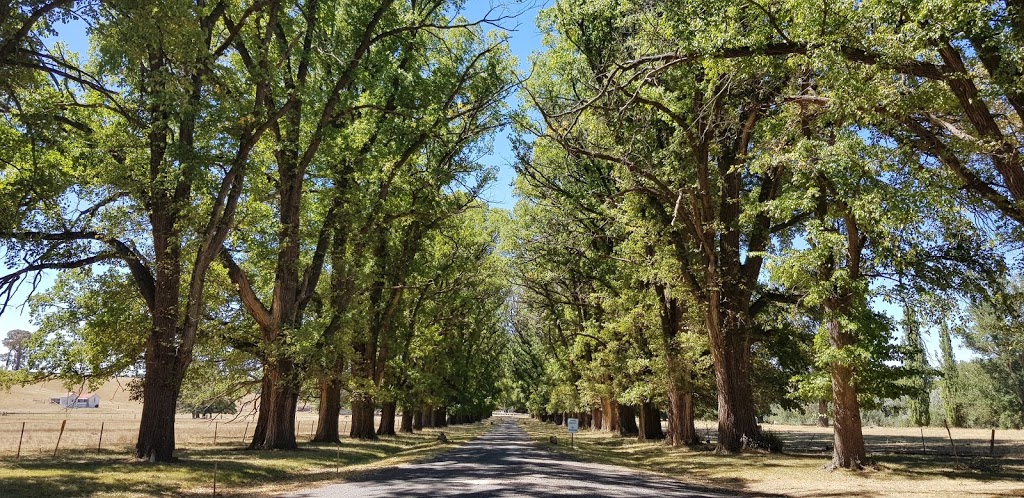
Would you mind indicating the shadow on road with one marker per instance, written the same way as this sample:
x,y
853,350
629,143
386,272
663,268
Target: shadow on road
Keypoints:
x,y
505,463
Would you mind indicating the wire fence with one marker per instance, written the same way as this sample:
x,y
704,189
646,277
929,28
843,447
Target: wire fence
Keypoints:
x,y
49,434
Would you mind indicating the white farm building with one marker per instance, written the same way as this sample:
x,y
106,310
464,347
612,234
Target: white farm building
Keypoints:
x,y
73,400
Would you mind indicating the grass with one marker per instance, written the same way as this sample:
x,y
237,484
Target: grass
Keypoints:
x,y
240,473
80,469
799,472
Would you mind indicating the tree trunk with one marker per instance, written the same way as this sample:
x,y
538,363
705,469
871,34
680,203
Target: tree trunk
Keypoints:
x,y
558,418
406,426
849,451
627,421
387,419
330,409
440,416
160,389
822,413
681,428
417,420
596,419
610,410
730,351
362,417
650,423
276,425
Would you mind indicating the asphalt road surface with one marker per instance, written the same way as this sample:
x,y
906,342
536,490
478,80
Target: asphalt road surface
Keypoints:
x,y
505,463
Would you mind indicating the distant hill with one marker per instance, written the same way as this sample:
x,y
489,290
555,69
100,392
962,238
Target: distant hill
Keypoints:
x,y
35,398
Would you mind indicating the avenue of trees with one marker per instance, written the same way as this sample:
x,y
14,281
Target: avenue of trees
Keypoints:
x,y
280,195
725,208
724,204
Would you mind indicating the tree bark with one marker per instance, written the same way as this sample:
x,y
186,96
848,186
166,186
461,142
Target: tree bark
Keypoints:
x,y
330,409
362,417
650,423
849,451
387,419
406,426
822,413
276,422
627,421
160,389
611,417
681,428
440,417
417,420
596,417
730,351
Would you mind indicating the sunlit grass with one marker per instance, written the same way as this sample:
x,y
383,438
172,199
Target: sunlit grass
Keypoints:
x,y
796,473
240,473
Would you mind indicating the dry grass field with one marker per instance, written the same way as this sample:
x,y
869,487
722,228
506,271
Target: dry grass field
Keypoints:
x,y
118,419
81,469
901,469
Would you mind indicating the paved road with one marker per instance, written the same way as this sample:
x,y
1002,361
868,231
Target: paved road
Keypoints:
x,y
505,463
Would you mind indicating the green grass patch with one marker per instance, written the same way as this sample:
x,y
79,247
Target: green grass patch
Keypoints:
x,y
240,472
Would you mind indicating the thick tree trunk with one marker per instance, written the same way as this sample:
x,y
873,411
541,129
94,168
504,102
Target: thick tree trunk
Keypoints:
x,y
558,418
849,451
596,417
362,417
610,409
627,421
160,389
417,420
730,351
276,425
681,428
406,426
822,413
330,409
387,419
437,417
650,423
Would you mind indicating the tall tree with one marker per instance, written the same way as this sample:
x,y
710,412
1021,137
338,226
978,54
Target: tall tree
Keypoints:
x,y
918,406
165,169
950,385
684,137
17,343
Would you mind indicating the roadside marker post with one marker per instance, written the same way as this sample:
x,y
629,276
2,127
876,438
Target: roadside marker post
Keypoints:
x,y
574,427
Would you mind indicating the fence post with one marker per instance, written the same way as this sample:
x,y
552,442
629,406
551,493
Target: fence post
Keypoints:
x,y
992,444
215,433
18,457
62,424
214,478
245,431
99,446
